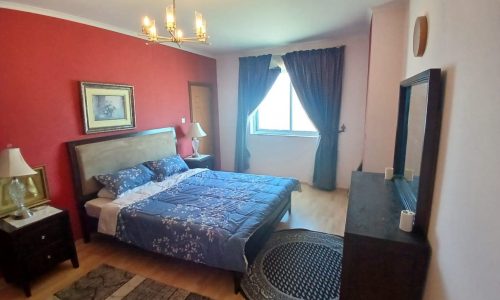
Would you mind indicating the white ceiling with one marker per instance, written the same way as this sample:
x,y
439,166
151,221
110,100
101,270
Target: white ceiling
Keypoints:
x,y
233,25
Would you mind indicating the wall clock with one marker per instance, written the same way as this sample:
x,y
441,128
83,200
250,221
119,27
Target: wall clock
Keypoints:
x,y
420,36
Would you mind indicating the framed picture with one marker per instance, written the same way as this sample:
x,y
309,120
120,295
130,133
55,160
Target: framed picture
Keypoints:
x,y
37,191
107,107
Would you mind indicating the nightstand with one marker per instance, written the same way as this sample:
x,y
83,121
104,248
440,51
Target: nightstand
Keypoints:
x,y
31,246
202,161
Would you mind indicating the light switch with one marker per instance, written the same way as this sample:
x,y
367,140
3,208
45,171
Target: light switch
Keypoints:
x,y
183,120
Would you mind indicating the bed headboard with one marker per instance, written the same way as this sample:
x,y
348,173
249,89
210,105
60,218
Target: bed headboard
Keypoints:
x,y
109,154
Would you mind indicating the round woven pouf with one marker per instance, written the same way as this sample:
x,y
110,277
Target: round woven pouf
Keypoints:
x,y
296,264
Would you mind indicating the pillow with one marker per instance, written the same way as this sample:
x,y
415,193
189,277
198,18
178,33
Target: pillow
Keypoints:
x,y
126,179
105,193
167,166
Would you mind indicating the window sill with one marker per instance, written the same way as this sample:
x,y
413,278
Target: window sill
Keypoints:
x,y
298,135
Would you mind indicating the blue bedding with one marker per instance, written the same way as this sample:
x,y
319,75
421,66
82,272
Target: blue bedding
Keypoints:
x,y
207,218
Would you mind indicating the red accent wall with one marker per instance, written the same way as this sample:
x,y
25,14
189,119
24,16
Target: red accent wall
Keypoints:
x,y
42,61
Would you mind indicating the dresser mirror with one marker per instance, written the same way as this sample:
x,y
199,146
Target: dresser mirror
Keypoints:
x,y
417,142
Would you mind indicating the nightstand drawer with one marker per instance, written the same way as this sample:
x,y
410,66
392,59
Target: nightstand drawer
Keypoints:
x,y
205,164
204,161
46,234
47,257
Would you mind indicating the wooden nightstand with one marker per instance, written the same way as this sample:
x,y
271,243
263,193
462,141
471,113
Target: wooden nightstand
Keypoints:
x,y
202,161
32,249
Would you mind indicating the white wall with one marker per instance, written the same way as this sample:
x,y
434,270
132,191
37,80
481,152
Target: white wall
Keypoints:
x,y
465,226
387,65
294,156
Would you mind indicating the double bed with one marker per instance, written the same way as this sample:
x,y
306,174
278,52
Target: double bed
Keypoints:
x,y
217,218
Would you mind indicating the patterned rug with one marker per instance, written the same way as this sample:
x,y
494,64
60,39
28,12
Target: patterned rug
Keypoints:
x,y
296,264
107,282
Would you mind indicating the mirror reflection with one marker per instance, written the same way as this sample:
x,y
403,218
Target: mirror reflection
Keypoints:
x,y
416,131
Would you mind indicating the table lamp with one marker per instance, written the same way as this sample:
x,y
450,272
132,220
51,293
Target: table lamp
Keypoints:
x,y
195,132
13,165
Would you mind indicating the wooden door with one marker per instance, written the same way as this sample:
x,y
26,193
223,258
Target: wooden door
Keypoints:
x,y
201,106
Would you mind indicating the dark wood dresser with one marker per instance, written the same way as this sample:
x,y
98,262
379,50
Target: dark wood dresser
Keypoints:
x,y
380,261
28,251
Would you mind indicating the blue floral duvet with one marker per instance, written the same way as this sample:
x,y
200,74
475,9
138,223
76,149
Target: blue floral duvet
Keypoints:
x,y
206,218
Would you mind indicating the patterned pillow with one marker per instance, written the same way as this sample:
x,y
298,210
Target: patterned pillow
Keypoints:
x,y
167,166
126,179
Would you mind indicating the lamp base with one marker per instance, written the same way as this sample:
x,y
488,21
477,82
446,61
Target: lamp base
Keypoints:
x,y
22,213
196,146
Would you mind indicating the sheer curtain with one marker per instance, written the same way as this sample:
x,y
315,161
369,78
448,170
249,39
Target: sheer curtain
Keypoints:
x,y
255,80
316,76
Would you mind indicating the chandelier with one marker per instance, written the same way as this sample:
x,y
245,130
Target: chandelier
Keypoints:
x,y
176,35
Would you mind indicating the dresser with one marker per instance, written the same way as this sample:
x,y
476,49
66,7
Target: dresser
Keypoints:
x,y
380,261
32,249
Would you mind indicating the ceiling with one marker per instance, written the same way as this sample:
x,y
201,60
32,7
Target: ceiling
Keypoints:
x,y
233,25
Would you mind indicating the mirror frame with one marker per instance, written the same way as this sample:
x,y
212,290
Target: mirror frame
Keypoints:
x,y
422,202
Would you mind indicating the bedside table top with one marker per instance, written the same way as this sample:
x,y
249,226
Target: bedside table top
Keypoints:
x,y
10,224
201,157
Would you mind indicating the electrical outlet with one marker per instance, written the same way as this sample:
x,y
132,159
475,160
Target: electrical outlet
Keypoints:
x,y
183,120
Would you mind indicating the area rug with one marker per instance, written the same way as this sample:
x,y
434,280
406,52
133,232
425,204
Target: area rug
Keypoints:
x,y
296,264
107,282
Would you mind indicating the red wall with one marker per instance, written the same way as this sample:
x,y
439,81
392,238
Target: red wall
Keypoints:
x,y
42,60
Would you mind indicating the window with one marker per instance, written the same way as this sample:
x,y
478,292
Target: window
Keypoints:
x,y
281,112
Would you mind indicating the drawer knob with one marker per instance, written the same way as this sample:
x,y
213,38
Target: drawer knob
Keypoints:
x,y
43,237
49,256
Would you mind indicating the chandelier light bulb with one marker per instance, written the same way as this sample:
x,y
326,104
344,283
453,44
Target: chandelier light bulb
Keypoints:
x,y
170,17
152,33
178,34
146,22
198,22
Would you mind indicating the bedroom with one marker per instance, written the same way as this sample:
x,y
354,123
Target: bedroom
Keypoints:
x,y
43,59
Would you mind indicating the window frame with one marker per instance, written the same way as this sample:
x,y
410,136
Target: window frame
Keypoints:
x,y
255,130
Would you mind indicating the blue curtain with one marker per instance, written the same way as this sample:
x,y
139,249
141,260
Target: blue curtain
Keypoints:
x,y
316,76
255,80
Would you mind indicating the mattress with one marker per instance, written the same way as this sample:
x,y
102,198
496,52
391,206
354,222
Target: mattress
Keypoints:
x,y
94,206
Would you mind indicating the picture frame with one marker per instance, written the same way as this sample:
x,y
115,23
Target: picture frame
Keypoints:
x,y
107,107
37,191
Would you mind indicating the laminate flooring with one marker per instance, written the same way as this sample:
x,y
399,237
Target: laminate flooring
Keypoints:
x,y
311,209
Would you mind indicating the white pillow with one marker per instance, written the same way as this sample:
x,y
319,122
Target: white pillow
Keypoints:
x,y
105,193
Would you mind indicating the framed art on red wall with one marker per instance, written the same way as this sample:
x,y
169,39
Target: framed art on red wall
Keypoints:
x,y
107,107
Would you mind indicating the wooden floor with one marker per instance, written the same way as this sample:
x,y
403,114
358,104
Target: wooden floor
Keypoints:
x,y
311,209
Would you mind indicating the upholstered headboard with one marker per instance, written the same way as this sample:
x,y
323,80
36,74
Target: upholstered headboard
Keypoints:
x,y
109,154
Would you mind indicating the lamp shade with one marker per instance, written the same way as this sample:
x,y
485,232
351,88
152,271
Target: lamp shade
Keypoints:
x,y
12,164
195,131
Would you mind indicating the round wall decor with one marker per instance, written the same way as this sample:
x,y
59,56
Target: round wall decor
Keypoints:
x,y
420,36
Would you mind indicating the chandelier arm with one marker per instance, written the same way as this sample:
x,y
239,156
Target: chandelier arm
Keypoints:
x,y
192,39
172,35
162,39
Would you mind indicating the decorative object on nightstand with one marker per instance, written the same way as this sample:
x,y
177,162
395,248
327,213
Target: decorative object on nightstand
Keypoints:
x,y
200,161
195,132
12,164
29,247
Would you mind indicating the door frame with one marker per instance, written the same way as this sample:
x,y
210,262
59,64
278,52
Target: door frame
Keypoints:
x,y
215,116
203,84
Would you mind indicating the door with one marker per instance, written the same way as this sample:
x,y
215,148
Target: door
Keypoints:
x,y
201,106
